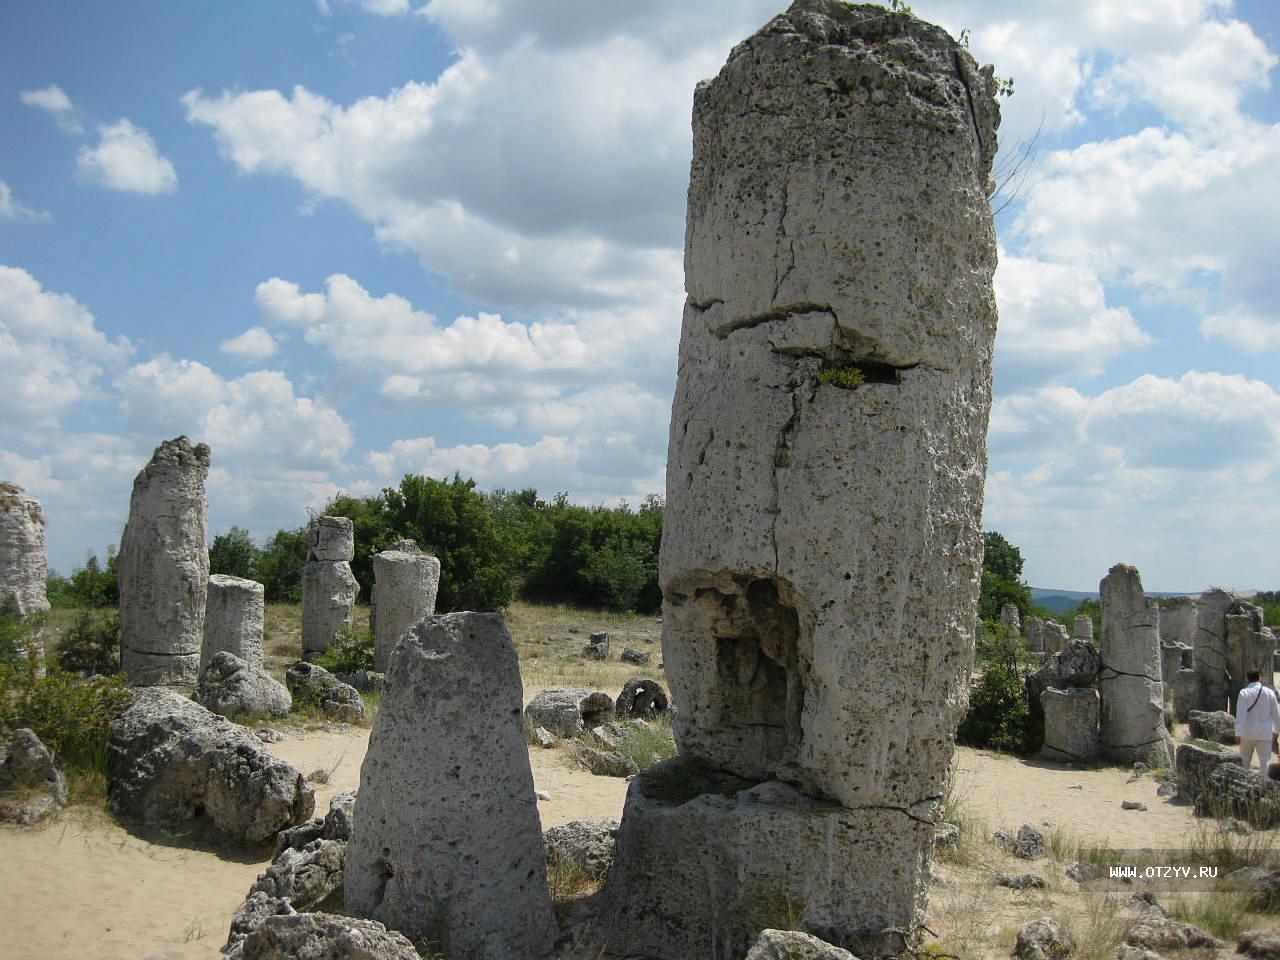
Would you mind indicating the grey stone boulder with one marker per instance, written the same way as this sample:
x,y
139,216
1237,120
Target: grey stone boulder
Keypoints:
x,y
250,915
1029,843
1022,881
1041,939
335,825
596,647
607,763
1258,945
1075,665
1216,726
1156,930
31,782
305,876
1261,886
365,681
588,844
641,697
637,657
1193,765
1231,790
794,945
230,686
313,685
170,760
324,936
569,712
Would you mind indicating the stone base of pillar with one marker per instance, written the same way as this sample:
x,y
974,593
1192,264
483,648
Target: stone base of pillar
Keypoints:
x,y
179,670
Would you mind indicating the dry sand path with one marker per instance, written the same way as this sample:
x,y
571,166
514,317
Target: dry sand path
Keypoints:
x,y
83,887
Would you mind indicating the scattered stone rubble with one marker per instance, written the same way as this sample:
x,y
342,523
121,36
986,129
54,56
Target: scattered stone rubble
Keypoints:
x,y
310,683
569,712
164,568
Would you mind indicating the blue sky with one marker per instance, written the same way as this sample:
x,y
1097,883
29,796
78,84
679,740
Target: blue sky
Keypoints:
x,y
341,241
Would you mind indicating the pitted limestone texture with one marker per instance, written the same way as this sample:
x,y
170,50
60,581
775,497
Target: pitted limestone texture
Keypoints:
x,y
329,590
1178,620
1070,724
233,619
164,568
446,844
23,561
1210,646
1249,645
1010,619
1132,726
405,584
331,538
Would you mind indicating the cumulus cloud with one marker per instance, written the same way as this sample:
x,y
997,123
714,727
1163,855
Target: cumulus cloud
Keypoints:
x,y
126,158
11,209
53,101
1243,329
254,344
51,352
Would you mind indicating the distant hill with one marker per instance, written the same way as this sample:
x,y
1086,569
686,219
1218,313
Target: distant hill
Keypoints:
x,y
1060,601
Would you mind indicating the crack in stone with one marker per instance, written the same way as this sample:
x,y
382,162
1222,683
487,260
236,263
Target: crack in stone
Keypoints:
x,y
781,460
768,316
968,92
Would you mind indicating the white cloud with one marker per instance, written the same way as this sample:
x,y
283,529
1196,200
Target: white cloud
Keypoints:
x,y
11,209
1243,329
52,100
51,352
385,8
254,344
126,158
1054,322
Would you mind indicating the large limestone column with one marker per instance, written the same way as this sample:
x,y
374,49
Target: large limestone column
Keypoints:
x,y
164,567
1178,620
1249,646
445,843
405,584
329,588
233,620
1210,648
1129,682
23,557
822,551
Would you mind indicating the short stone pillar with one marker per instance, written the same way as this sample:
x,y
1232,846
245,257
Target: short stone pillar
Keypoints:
x,y
1249,646
1173,657
1210,648
233,620
23,563
1082,628
445,844
1129,682
1188,693
1055,636
1178,620
164,568
1071,719
825,469
1010,619
405,584
329,588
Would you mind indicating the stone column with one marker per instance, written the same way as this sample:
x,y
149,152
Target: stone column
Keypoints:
x,y
445,844
1053,636
1249,646
1070,724
1010,619
405,583
1035,634
1132,694
233,620
822,555
23,563
1082,629
329,588
164,568
1210,648
1178,620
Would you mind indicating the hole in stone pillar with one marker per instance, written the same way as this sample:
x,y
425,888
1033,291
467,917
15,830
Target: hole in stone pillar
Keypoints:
x,y
758,665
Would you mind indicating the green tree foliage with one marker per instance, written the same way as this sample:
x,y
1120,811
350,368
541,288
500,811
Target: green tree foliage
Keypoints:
x,y
278,565
92,645
233,553
1085,608
999,715
373,530
1001,570
1269,601
1000,556
93,585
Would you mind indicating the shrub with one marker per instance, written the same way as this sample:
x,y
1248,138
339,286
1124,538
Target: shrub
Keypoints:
x,y
999,716
233,553
351,651
92,645
647,745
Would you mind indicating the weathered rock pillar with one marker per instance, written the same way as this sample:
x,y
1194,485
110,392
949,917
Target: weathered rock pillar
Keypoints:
x,y
164,568
233,620
405,583
822,548
445,843
1249,646
1210,648
1010,619
23,558
1178,621
1129,682
1082,628
1070,724
329,588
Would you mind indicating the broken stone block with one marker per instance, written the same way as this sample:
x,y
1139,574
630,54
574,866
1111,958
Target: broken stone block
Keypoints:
x,y
405,585
1216,726
233,620
1082,628
231,687
1042,939
323,936
1193,764
1070,724
569,712
638,657
310,683
447,845
163,568
607,764
1230,790
1249,645
596,647
1178,621
641,697
1075,665
31,782
1010,619
588,844
331,539
794,945
1132,726
329,591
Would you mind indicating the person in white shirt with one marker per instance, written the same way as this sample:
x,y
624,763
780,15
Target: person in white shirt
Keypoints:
x,y
1257,721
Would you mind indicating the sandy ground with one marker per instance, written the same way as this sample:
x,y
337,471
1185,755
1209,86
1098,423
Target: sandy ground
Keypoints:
x,y
81,886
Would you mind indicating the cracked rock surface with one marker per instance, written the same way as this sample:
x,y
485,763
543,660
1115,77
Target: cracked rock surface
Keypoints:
x,y
1132,721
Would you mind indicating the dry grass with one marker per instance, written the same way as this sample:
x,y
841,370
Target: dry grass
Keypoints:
x,y
549,641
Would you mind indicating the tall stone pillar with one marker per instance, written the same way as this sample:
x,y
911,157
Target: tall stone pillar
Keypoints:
x,y
1209,648
164,568
405,584
23,559
1010,619
329,588
1082,628
822,551
1129,682
1249,646
1178,621
233,620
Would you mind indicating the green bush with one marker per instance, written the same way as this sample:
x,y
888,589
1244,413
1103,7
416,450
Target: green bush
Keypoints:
x,y
999,716
350,652
93,585
647,745
233,553
92,644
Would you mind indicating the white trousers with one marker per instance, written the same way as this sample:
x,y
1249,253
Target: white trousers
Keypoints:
x,y
1263,748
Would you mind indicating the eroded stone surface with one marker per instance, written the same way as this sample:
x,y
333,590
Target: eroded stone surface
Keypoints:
x,y
1132,726
1210,646
233,620
1249,645
231,687
310,683
23,557
31,783
1178,620
164,567
1193,765
446,845
588,844
1082,628
1070,724
405,584
323,936
1075,665
329,591
331,539
794,945
569,712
